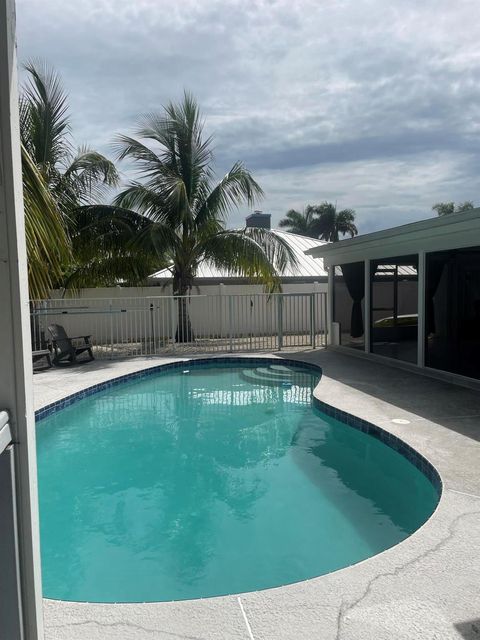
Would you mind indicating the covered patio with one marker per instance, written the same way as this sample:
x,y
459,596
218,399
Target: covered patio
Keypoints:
x,y
410,294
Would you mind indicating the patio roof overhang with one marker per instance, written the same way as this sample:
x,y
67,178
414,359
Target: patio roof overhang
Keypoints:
x,y
435,234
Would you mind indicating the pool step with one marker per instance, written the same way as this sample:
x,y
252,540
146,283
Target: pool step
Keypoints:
x,y
275,374
256,376
280,367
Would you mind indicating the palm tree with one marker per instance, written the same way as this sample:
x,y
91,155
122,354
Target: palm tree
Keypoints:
x,y
331,223
447,208
77,180
303,224
187,209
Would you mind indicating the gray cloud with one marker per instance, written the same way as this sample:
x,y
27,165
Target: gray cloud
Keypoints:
x,y
374,104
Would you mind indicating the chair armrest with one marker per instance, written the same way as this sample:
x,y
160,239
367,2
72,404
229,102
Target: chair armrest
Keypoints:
x,y
86,338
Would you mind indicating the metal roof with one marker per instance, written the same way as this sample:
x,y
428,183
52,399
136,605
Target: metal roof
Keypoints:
x,y
308,266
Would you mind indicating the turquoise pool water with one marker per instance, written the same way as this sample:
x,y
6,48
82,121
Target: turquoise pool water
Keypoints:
x,y
210,481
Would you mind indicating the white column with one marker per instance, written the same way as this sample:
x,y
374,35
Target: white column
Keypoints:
x,y
16,363
421,309
331,277
368,306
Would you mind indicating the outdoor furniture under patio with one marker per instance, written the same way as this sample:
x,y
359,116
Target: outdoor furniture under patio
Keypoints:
x,y
64,348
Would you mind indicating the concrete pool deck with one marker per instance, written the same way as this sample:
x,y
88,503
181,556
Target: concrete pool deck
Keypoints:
x,y
425,588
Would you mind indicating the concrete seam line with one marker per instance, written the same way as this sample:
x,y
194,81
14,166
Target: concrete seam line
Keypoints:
x,y
464,493
247,624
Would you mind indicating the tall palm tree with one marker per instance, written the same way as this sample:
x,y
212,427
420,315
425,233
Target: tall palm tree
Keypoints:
x,y
330,223
187,209
77,180
303,224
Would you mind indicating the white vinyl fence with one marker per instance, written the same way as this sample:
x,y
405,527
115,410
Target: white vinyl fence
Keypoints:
x,y
160,325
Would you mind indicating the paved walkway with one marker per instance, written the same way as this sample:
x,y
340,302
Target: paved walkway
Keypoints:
x,y
425,588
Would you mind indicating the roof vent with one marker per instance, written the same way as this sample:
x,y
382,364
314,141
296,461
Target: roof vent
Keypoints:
x,y
259,220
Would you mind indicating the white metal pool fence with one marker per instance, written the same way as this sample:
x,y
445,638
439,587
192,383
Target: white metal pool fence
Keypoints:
x,y
162,325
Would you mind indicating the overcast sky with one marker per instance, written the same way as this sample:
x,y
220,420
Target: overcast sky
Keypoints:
x,y
374,104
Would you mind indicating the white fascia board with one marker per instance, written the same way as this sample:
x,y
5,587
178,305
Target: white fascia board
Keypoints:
x,y
459,231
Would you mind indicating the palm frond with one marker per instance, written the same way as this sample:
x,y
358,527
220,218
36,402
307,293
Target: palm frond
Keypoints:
x,y
105,251
257,254
129,269
303,224
88,176
295,221
48,120
236,187
146,159
345,222
48,245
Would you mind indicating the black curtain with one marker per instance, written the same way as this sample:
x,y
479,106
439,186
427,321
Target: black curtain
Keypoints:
x,y
354,276
434,275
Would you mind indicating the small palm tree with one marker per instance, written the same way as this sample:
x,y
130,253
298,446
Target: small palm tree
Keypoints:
x,y
186,208
77,181
447,208
303,224
330,223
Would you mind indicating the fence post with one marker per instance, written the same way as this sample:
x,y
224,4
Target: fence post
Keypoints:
x,y
280,320
152,330
221,289
111,329
172,318
45,321
230,321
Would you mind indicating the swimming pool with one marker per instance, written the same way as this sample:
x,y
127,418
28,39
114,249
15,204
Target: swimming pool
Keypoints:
x,y
210,479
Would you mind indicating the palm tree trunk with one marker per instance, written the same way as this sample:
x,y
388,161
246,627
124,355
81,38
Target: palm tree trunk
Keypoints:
x,y
184,332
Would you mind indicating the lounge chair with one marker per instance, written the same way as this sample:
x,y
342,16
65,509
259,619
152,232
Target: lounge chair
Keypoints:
x,y
63,346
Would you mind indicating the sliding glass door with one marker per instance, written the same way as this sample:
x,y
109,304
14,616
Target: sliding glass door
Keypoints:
x,y
394,307
452,306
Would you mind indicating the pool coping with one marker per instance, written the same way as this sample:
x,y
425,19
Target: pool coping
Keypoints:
x,y
275,598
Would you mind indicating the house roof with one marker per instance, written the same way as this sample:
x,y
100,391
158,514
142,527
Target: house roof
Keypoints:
x,y
308,266
434,234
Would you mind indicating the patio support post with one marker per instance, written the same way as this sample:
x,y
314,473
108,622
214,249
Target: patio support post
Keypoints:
x,y
421,275
367,307
329,311
16,394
